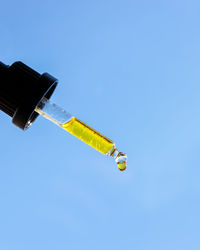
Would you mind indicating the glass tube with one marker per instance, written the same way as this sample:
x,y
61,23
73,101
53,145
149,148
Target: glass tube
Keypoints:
x,y
82,131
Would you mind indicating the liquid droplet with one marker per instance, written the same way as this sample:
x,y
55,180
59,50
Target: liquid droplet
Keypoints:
x,y
121,160
121,166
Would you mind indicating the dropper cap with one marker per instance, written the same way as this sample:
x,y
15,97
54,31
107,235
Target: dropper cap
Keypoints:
x,y
21,89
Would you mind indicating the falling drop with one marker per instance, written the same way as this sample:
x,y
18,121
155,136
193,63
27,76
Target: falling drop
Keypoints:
x,y
121,166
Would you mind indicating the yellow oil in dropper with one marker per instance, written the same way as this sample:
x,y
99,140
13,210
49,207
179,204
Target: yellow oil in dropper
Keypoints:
x,y
82,131
93,139
88,135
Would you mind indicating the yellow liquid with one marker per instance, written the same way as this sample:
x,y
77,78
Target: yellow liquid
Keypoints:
x,y
89,135
121,166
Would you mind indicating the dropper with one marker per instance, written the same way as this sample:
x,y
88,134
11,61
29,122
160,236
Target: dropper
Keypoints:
x,y
25,93
82,131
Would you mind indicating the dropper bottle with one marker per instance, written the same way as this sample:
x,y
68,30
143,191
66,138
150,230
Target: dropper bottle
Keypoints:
x,y
24,94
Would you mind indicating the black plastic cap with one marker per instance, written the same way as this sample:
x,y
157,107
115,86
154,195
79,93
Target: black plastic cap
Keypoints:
x,y
21,89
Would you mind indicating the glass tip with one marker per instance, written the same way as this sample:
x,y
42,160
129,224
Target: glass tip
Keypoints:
x,y
120,158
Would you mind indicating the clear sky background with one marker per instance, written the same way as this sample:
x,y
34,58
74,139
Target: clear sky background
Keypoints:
x,y
130,69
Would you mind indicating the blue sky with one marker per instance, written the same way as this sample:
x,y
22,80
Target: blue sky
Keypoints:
x,y
130,69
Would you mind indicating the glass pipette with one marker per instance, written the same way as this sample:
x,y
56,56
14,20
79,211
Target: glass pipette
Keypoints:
x,y
82,131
